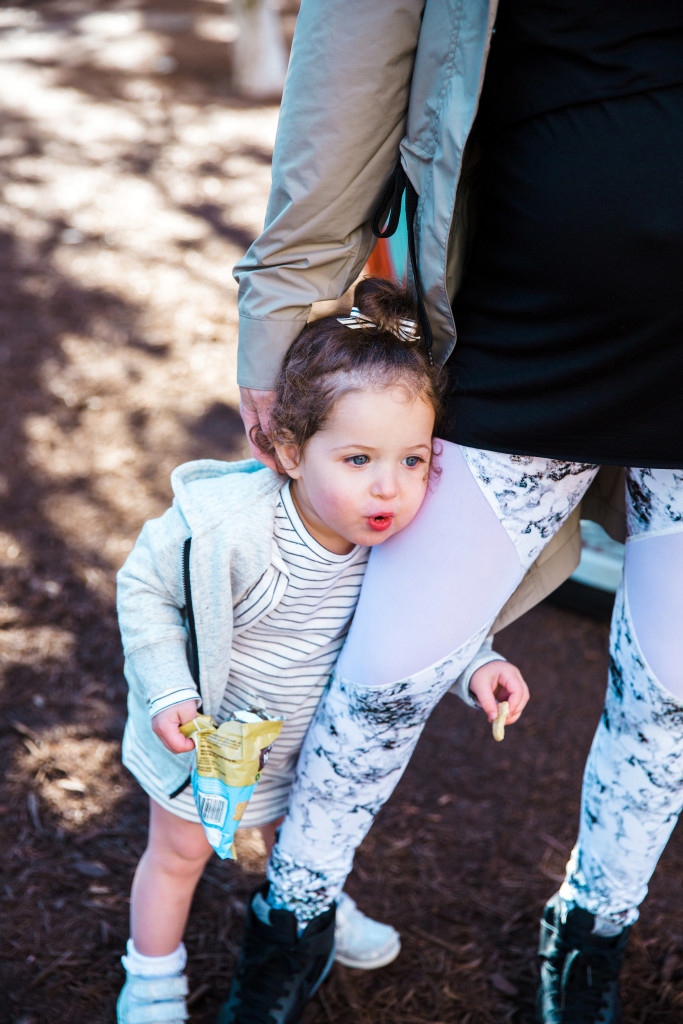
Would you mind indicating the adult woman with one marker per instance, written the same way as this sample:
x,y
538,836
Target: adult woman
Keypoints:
x,y
568,359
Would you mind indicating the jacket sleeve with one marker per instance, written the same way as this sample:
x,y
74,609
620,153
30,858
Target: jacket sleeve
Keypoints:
x,y
151,611
485,654
341,121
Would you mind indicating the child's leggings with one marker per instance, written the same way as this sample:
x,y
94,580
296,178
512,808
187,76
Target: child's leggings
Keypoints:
x,y
429,598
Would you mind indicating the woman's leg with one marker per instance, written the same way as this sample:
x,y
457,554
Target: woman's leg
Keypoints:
x,y
164,884
428,599
633,782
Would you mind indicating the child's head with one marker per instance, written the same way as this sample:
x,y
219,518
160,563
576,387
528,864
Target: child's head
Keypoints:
x,y
353,419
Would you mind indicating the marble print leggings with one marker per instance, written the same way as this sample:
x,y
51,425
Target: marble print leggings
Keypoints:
x,y
428,600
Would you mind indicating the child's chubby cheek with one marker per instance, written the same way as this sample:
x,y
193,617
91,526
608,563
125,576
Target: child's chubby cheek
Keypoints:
x,y
344,514
337,501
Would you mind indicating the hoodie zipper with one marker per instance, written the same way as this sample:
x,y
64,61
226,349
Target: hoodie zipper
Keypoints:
x,y
194,647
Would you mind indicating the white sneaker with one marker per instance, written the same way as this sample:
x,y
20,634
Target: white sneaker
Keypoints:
x,y
361,942
152,1000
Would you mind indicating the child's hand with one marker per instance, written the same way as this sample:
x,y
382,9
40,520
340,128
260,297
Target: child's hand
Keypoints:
x,y
167,726
496,681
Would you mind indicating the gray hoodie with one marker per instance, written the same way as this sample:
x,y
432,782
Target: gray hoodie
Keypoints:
x,y
175,598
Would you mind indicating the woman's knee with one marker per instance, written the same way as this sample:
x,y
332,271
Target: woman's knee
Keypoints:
x,y
654,588
427,590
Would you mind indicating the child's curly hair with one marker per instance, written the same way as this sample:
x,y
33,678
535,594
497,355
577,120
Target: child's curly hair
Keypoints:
x,y
328,360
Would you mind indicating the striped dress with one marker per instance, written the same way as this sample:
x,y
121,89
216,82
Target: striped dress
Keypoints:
x,y
282,656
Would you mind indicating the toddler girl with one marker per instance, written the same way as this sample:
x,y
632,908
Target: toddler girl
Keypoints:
x,y
241,594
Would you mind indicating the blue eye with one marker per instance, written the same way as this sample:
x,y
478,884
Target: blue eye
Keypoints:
x,y
357,460
413,460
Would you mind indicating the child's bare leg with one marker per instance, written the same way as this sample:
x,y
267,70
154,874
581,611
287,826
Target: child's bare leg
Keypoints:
x,y
268,833
165,880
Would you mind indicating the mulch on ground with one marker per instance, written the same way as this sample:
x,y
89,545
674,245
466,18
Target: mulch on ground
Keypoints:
x,y
132,180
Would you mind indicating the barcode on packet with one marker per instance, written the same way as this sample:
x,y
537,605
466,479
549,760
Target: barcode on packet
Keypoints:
x,y
213,809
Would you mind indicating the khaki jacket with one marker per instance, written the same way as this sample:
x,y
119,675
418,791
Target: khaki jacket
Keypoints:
x,y
368,82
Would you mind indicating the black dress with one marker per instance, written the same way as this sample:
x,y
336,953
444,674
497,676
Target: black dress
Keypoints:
x,y
570,315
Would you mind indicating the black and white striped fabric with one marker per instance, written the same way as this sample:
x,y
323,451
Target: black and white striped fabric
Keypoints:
x,y
282,655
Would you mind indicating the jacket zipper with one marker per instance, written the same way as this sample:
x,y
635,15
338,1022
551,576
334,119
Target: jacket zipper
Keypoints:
x,y
194,647
189,609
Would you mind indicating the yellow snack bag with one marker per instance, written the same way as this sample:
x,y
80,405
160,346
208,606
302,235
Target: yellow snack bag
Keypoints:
x,y
229,762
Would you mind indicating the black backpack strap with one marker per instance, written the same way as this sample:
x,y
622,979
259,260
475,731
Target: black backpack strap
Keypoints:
x,y
384,223
388,211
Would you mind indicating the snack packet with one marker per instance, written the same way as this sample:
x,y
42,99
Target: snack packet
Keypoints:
x,y
229,762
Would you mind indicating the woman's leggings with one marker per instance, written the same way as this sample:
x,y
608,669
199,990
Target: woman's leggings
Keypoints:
x,y
429,598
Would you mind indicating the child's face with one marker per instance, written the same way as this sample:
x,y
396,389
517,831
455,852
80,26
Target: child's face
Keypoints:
x,y
363,477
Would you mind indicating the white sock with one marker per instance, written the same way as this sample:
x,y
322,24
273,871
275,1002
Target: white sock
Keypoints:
x,y
154,966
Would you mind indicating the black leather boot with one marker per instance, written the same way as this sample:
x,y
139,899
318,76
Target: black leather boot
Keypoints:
x,y
278,970
579,970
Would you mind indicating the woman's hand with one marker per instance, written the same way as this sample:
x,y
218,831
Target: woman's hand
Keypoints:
x,y
497,681
255,409
167,726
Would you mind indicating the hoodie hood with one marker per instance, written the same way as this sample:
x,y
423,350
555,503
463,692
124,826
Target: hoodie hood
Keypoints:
x,y
207,489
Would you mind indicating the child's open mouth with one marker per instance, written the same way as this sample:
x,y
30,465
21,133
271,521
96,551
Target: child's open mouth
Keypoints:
x,y
380,522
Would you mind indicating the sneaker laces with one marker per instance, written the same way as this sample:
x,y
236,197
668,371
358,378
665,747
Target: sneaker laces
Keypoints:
x,y
595,974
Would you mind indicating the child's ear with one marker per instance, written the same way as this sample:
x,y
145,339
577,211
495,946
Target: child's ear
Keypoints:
x,y
288,457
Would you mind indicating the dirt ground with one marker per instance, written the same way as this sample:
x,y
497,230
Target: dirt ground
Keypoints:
x,y
133,178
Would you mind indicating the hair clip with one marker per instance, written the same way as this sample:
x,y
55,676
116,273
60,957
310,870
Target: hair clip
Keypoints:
x,y
356,320
405,330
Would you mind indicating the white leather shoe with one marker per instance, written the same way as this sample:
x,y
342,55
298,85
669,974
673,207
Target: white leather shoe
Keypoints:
x,y
360,941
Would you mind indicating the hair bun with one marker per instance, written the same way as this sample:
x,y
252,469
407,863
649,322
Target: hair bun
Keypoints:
x,y
388,306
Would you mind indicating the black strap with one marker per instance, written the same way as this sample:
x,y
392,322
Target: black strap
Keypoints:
x,y
384,223
181,787
388,210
